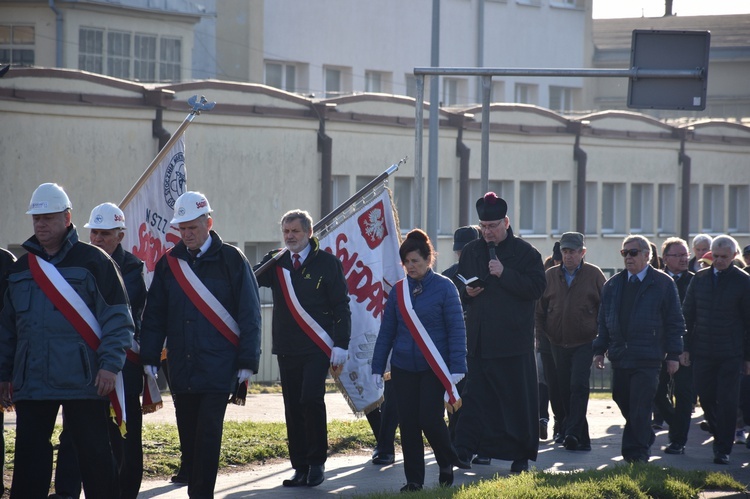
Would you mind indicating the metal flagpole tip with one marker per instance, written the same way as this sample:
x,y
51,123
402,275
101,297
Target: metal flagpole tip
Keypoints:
x,y
200,105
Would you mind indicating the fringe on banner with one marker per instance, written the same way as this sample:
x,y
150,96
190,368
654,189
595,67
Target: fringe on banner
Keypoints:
x,y
9,408
149,408
367,410
121,425
240,394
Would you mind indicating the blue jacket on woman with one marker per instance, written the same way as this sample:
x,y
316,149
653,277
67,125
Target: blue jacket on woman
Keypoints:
x,y
439,309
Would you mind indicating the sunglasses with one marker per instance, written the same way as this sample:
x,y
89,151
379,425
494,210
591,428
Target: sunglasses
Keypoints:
x,y
629,252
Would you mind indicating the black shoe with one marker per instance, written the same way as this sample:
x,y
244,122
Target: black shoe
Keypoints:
x,y
674,448
571,442
720,458
636,459
657,426
519,466
179,479
558,438
463,461
299,479
411,487
316,475
543,435
484,461
445,478
706,427
383,458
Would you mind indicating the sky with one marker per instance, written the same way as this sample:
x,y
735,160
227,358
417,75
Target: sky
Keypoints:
x,y
604,9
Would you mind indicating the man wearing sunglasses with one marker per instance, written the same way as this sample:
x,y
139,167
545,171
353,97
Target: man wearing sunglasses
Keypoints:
x,y
640,321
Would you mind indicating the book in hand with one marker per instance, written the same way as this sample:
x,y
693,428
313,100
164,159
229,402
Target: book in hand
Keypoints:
x,y
473,282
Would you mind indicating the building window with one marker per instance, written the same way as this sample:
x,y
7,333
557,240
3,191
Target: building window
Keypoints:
x,y
533,206
402,196
526,94
445,206
497,91
641,208
129,56
667,205
340,189
592,208
118,54
694,209
560,216
713,208
170,66
144,58
16,45
281,75
332,82
561,99
613,208
91,50
738,209
453,90
411,86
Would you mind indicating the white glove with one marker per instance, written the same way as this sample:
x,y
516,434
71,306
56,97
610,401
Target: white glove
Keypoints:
x,y
244,375
338,356
378,380
456,377
151,371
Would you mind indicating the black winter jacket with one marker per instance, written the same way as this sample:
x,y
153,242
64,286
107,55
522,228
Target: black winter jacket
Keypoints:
x,y
718,316
500,320
201,359
322,291
656,324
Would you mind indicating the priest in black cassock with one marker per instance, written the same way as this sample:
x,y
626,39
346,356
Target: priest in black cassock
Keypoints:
x,y
500,414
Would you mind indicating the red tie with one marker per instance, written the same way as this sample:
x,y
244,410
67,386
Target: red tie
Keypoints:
x,y
296,261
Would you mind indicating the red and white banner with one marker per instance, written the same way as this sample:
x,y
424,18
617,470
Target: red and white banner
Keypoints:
x,y
367,244
149,234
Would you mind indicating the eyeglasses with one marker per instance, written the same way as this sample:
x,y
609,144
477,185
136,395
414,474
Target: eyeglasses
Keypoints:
x,y
630,252
489,226
677,255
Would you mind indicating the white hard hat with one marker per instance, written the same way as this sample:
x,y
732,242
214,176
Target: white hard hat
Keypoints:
x,y
106,216
48,198
190,206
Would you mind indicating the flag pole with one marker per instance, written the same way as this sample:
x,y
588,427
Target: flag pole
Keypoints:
x,y
197,107
338,211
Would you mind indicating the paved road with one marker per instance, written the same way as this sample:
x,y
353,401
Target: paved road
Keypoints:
x,y
349,475
354,474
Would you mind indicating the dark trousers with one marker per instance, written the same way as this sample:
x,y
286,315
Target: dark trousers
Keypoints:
x,y
633,390
303,385
572,372
553,389
676,413
88,426
200,423
128,453
717,382
419,396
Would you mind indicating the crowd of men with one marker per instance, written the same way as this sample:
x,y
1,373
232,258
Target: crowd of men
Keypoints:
x,y
77,324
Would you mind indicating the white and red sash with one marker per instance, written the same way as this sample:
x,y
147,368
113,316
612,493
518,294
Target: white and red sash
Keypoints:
x,y
204,300
426,345
74,309
304,320
151,395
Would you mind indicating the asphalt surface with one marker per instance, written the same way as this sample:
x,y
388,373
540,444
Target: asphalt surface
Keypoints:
x,y
354,474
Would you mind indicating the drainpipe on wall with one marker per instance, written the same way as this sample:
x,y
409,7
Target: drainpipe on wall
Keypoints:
x,y
58,35
325,148
581,158
463,152
158,99
685,161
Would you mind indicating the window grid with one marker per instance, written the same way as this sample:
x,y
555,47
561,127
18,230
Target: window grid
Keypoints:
x,y
17,45
170,65
144,58
91,50
118,54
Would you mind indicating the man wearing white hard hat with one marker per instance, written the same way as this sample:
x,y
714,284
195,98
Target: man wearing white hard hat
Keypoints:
x,y
204,301
64,329
106,229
